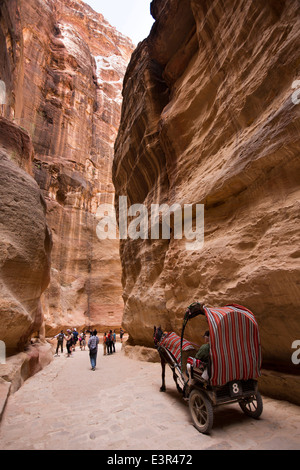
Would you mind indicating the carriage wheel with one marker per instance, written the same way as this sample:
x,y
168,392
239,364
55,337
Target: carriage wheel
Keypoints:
x,y
252,406
201,411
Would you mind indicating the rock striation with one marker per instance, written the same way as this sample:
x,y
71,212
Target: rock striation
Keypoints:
x,y
25,241
63,66
209,118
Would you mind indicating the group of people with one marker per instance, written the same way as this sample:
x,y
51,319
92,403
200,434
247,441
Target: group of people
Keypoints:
x,y
109,341
72,337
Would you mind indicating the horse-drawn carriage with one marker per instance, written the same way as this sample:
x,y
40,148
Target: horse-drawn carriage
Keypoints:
x,y
230,373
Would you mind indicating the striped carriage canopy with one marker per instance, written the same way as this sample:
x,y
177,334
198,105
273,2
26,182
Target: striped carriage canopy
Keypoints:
x,y
235,350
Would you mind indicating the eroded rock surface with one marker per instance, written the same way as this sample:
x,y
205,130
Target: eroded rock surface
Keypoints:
x,y
25,241
208,118
63,65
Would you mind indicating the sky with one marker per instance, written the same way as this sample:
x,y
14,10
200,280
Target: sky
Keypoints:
x,y
130,17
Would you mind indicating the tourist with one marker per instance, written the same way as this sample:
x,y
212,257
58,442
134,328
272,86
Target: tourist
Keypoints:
x,y
109,342
75,338
121,334
93,347
114,339
104,344
60,341
83,340
69,338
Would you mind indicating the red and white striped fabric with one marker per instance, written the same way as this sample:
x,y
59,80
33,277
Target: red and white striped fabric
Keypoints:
x,y
235,350
172,343
195,362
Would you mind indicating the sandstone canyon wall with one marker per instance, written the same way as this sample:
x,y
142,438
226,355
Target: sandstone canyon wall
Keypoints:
x,y
208,118
63,67
25,241
25,251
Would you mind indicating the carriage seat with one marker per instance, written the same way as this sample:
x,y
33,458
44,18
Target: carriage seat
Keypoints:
x,y
197,363
200,366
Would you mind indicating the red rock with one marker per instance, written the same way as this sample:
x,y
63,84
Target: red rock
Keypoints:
x,y
63,65
209,115
25,241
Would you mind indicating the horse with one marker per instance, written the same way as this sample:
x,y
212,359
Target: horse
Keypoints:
x,y
174,360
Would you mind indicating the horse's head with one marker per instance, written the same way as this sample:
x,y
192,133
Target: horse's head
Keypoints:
x,y
158,333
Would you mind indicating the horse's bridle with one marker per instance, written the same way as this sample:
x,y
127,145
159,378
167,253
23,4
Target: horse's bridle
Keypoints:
x,y
157,340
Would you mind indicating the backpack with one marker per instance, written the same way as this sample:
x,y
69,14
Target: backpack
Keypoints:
x,y
60,337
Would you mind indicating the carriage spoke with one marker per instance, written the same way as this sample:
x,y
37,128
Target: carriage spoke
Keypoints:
x,y
200,410
252,406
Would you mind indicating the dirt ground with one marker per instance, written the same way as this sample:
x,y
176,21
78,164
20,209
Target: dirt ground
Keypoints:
x,y
118,406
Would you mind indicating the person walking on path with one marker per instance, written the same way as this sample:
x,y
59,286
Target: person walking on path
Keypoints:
x,y
82,340
93,347
109,342
75,338
114,339
69,339
121,334
104,344
60,341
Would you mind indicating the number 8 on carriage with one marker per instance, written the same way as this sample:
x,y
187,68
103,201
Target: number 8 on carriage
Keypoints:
x,y
235,389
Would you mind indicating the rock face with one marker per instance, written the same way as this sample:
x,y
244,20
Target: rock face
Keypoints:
x,y
210,117
25,241
63,67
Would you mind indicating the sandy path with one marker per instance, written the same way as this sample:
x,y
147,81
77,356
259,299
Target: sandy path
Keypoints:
x,y
119,407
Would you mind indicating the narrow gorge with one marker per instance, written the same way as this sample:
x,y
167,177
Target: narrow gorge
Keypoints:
x,y
62,65
204,111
